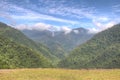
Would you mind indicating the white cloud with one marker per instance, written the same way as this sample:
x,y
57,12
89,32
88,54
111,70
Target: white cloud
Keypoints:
x,y
72,12
110,24
103,26
93,30
37,26
103,19
41,26
66,30
26,14
101,22
37,16
23,27
76,31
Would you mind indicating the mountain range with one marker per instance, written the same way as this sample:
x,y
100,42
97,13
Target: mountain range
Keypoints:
x,y
76,49
59,42
102,51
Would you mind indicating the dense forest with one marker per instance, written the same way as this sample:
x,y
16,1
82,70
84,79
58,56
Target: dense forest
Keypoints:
x,y
102,51
13,55
16,50
18,37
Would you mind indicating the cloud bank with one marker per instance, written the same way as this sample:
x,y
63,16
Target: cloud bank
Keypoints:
x,y
43,27
43,15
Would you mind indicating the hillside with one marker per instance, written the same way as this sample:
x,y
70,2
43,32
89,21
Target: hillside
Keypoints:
x,y
59,42
102,51
18,37
13,55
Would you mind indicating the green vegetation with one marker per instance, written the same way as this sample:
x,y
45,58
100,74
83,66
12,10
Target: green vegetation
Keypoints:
x,y
19,38
102,51
47,39
13,55
17,51
59,74
60,44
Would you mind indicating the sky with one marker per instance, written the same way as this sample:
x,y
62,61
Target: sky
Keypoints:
x,y
95,15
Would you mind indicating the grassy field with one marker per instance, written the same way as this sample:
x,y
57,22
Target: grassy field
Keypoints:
x,y
59,74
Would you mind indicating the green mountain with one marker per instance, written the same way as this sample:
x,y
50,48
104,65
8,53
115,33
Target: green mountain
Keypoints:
x,y
18,51
14,55
18,37
102,51
59,42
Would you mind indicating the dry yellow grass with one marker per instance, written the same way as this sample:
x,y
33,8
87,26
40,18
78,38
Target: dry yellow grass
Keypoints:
x,y
59,74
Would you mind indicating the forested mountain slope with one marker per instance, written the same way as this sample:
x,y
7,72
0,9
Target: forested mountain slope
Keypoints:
x,y
18,37
14,55
102,51
18,51
59,42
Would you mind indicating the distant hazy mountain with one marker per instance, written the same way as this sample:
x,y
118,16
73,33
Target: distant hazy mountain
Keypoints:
x,y
59,42
102,51
16,50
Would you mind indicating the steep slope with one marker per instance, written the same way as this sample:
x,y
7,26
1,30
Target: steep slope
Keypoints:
x,y
13,55
76,37
102,51
59,42
20,38
46,38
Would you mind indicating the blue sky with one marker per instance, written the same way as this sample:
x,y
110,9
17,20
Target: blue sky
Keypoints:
x,y
95,15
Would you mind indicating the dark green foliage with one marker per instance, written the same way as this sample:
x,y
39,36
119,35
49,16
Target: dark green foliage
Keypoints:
x,y
18,37
102,51
16,50
13,55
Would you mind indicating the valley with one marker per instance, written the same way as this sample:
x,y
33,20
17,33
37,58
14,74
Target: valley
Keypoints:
x,y
61,43
19,51
59,39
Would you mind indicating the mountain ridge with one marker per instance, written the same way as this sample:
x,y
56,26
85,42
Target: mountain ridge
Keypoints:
x,y
102,51
61,43
14,55
16,50
17,36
